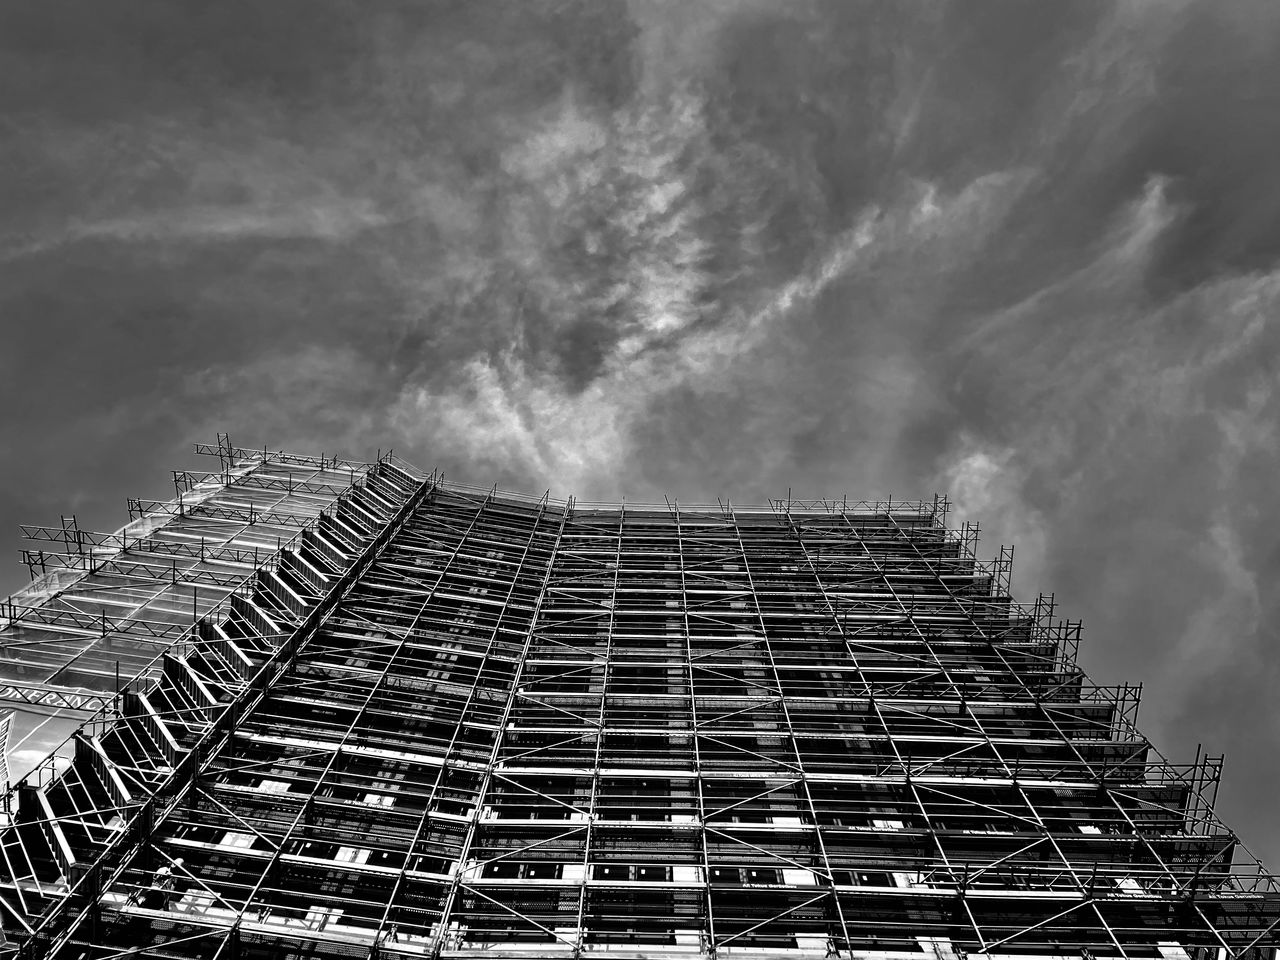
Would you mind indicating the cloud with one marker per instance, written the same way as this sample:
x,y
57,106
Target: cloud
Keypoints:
x,y
333,221
987,482
536,427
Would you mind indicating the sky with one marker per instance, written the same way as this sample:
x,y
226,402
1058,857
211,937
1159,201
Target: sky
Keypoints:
x,y
1026,254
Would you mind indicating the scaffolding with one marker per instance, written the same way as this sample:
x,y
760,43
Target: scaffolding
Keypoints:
x,y
442,721
100,606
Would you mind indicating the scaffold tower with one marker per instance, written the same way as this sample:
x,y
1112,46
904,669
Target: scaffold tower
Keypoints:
x,y
341,709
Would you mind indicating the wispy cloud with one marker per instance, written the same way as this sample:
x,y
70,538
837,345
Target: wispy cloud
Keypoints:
x,y
320,220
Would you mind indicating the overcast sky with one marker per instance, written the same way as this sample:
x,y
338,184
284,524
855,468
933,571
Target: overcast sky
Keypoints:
x,y
1024,253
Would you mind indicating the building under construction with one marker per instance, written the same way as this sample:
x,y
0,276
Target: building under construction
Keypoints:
x,y
339,709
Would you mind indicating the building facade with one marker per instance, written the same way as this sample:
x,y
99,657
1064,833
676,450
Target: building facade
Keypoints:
x,y
448,722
